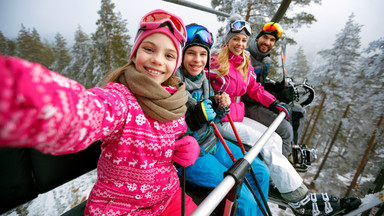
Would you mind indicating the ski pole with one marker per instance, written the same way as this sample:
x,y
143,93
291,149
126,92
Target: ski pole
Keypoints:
x,y
252,171
234,161
183,192
236,134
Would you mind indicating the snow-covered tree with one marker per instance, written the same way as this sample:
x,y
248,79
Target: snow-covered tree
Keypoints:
x,y
61,53
299,68
342,58
371,101
349,79
82,64
111,40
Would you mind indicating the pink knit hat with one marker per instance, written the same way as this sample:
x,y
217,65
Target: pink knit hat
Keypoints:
x,y
160,21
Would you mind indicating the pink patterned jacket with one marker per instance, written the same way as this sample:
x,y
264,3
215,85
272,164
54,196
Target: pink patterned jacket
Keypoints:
x,y
42,109
234,85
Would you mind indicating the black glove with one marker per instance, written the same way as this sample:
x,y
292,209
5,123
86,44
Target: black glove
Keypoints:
x,y
279,107
286,95
274,86
202,114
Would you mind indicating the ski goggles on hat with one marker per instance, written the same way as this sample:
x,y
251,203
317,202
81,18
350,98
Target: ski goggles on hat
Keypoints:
x,y
238,26
203,33
272,27
159,18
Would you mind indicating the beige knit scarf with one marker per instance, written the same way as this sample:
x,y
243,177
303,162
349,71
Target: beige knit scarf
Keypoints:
x,y
155,101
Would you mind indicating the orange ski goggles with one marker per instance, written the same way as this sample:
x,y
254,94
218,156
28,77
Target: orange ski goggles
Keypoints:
x,y
274,29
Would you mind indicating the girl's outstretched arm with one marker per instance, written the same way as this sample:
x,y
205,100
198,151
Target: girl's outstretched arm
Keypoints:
x,y
42,109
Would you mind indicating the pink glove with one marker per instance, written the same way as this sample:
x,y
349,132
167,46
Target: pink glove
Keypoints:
x,y
187,150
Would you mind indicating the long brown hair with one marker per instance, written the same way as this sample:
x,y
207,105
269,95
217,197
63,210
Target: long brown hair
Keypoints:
x,y
223,61
113,76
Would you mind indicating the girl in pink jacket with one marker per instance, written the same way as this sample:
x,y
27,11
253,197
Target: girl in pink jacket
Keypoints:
x,y
231,72
138,115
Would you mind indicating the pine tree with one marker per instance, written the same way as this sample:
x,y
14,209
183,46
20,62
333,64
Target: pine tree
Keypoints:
x,y
111,40
338,78
48,54
371,101
299,68
61,53
30,47
7,47
37,47
342,58
24,43
82,64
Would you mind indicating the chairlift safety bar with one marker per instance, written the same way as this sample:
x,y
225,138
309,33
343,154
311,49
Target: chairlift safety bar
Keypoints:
x,y
198,7
218,194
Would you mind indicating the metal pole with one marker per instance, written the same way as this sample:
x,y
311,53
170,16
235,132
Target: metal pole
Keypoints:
x,y
251,168
245,178
198,7
255,150
214,198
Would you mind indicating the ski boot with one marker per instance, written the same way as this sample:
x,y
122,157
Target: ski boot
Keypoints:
x,y
323,204
302,157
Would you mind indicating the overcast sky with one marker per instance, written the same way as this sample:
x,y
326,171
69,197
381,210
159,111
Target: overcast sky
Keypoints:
x,y
51,16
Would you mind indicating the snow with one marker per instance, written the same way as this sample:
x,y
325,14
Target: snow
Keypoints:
x,y
58,200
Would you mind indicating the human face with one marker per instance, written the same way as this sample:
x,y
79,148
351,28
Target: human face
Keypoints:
x,y
266,42
195,59
156,57
237,44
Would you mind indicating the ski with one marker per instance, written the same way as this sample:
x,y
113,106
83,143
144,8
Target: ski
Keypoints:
x,y
368,202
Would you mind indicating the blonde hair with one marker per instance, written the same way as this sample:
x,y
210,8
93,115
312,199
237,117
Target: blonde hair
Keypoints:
x,y
113,76
223,61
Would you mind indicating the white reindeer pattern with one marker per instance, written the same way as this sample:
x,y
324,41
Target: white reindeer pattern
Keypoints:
x,y
144,165
133,163
151,165
108,155
117,161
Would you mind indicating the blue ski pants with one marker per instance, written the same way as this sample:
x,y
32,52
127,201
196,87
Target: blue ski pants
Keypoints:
x,y
209,169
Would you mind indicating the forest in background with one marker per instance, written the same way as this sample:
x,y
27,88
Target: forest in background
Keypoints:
x,y
344,123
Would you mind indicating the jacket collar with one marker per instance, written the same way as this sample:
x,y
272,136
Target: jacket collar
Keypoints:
x,y
255,52
235,59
